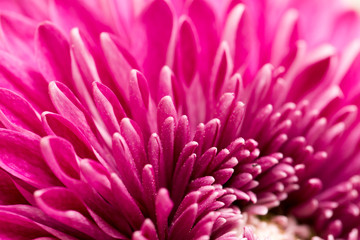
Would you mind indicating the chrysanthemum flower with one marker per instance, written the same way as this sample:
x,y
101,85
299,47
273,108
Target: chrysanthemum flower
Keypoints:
x,y
199,119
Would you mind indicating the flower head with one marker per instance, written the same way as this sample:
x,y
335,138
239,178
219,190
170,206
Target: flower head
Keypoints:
x,y
179,119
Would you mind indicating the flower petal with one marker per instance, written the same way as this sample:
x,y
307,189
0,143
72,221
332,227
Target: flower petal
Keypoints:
x,y
53,54
159,30
20,156
64,206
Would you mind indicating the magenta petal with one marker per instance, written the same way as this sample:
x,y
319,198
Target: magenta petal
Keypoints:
x,y
233,124
187,52
139,90
205,22
223,175
138,236
188,200
78,15
166,109
159,30
64,206
119,66
204,227
9,194
232,23
44,221
306,209
163,207
61,159
182,135
108,106
155,155
17,227
68,106
22,78
181,179
123,198
201,182
166,167
131,132
183,224
345,21
143,114
223,107
18,33
16,113
37,11
150,190
127,167
169,86
55,124
315,72
98,177
20,156
186,152
207,199
211,134
285,36
148,229
53,54
84,67
221,70
202,163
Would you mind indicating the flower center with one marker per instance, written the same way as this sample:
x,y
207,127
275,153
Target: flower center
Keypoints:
x,y
277,228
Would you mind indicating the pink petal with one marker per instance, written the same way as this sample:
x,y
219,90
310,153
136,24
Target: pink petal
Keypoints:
x,y
23,79
127,167
181,179
183,224
123,197
9,194
150,190
20,156
166,167
204,226
203,17
155,155
182,135
221,70
187,51
108,106
53,54
69,107
131,132
159,30
169,86
203,162
166,109
10,224
64,206
14,108
60,156
163,207
78,15
120,65
148,229
98,177
18,34
55,124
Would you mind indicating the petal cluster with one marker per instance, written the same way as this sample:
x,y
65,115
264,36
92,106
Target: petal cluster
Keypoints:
x,y
178,119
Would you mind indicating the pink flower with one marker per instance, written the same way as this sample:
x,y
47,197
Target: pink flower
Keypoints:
x,y
179,119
